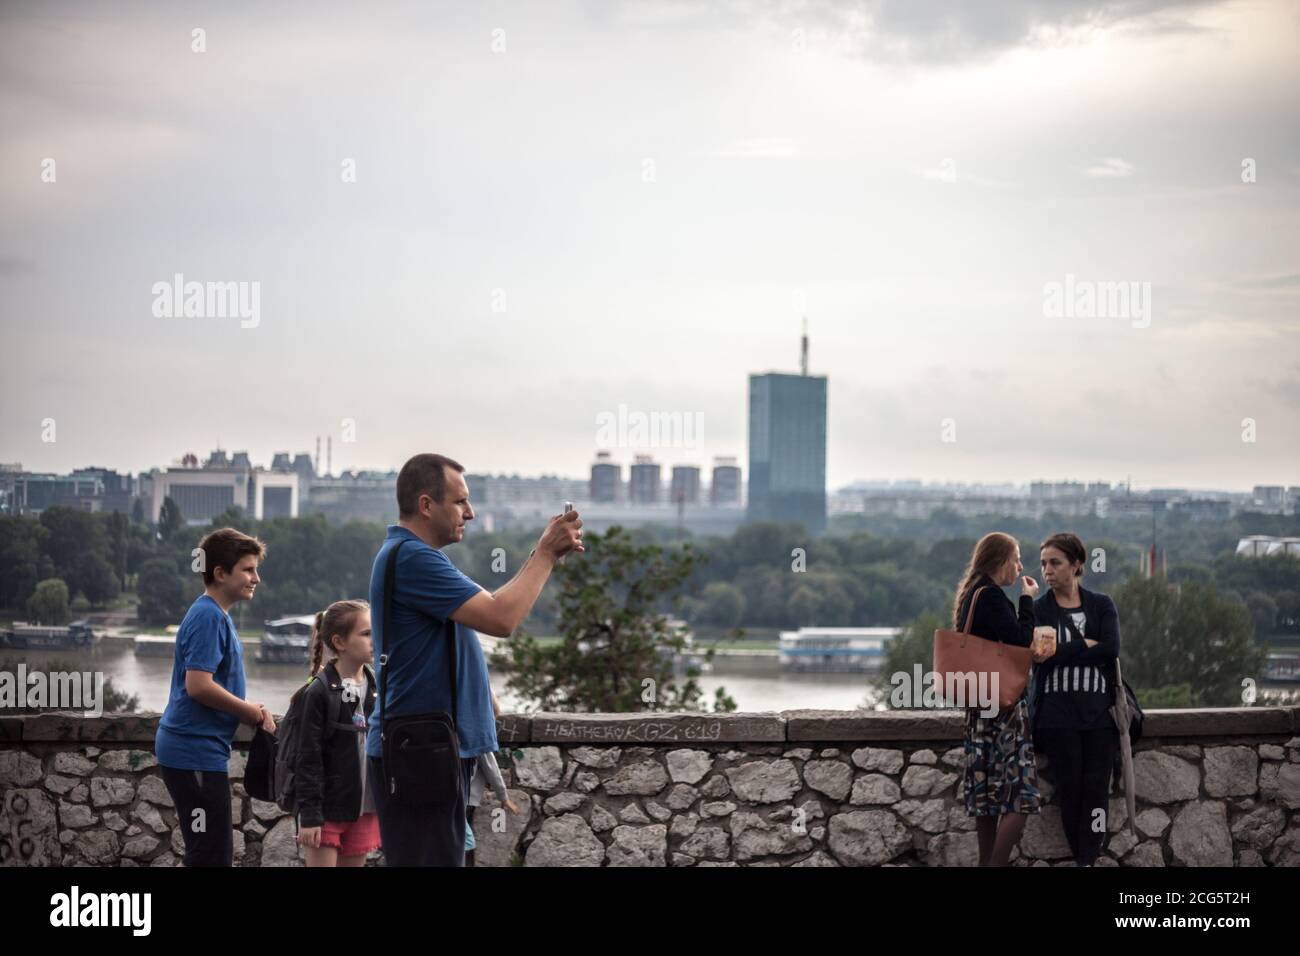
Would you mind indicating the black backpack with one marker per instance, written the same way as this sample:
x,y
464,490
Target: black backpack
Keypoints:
x,y
259,773
272,771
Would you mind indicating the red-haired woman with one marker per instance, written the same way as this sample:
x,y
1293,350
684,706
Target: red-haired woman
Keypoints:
x,y
1001,781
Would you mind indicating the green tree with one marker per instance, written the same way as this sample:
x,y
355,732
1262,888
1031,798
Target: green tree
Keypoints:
x,y
803,608
95,577
234,517
1189,635
947,559
617,650
1288,611
140,547
49,604
1173,697
915,645
162,592
765,544
20,559
170,520
765,591
721,604
1263,611
73,536
118,535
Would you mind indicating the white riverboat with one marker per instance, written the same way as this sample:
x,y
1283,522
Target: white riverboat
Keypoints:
x,y
286,640
836,649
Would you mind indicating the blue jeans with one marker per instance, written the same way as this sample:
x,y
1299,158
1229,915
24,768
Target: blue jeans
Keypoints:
x,y
416,834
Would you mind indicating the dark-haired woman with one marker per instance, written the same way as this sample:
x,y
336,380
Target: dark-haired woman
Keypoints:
x,y
1001,781
1072,695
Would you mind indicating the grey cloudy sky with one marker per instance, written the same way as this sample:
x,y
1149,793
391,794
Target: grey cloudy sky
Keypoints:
x,y
659,191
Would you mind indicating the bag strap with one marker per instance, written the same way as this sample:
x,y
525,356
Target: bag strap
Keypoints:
x,y
970,615
390,575
451,668
390,572
368,678
1068,621
333,707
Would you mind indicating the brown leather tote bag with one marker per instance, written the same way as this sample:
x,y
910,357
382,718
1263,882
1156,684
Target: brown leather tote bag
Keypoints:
x,y
960,653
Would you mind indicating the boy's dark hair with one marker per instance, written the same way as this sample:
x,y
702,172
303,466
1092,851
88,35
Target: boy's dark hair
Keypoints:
x,y
223,548
423,475
1070,545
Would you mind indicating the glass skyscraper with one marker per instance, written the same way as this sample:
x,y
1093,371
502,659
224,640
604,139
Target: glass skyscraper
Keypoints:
x,y
787,449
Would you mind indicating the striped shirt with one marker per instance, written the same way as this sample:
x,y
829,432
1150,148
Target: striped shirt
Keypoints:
x,y
1085,678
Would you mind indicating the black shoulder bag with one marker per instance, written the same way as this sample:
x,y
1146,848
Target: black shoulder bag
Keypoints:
x,y
421,752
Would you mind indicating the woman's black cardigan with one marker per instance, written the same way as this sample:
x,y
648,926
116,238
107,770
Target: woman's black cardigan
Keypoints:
x,y
996,618
1101,624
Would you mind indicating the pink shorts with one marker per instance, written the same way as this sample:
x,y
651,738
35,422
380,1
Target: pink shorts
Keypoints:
x,y
352,839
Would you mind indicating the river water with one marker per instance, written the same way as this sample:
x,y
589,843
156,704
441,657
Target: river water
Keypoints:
x,y
755,684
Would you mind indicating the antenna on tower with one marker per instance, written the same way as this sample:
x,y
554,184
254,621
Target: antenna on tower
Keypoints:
x,y
803,349
318,454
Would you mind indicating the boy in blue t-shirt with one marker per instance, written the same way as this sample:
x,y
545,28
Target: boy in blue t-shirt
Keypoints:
x,y
206,704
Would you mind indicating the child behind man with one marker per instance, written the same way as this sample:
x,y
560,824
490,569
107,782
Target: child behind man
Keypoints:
x,y
486,774
338,823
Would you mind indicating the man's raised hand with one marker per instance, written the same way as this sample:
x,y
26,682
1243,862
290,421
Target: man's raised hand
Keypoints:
x,y
562,535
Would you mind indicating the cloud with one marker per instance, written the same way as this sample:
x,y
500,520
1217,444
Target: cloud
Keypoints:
x,y
914,31
948,172
936,31
1285,282
818,169
762,148
16,266
1286,390
1112,167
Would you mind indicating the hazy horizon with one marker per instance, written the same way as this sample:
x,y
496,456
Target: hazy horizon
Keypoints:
x,y
705,476
557,212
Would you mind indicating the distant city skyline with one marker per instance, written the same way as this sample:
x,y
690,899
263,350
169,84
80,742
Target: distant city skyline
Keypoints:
x,y
1063,236
857,484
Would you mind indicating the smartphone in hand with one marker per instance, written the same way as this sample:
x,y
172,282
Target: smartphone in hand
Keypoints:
x,y
568,506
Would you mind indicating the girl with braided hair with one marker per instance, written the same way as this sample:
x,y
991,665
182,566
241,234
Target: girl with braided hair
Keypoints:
x,y
336,814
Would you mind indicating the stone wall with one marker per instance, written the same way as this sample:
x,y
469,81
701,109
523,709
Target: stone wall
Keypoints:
x,y
800,788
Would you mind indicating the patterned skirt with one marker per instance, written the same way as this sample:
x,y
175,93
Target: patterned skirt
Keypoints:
x,y
1001,773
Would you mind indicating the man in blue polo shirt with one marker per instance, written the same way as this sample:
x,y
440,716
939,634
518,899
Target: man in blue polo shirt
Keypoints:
x,y
433,507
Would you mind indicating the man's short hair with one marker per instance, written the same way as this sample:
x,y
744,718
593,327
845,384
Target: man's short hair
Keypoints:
x,y
223,549
423,475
